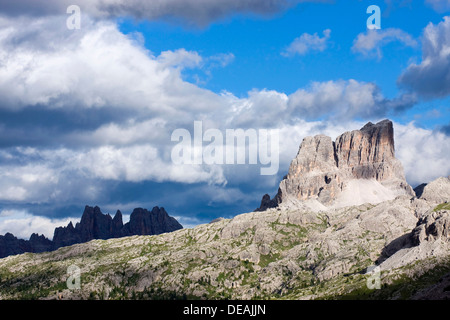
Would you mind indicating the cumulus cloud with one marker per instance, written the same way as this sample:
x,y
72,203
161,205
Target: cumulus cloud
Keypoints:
x,y
431,78
306,43
22,224
179,59
199,12
98,67
423,153
66,175
342,99
103,109
334,101
370,43
102,73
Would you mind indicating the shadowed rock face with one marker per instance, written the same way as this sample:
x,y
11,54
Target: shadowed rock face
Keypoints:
x,y
96,225
10,245
323,168
144,222
93,225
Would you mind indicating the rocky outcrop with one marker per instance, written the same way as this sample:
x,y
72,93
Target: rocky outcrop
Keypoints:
x,y
281,253
434,226
276,254
39,243
419,189
267,203
10,245
93,225
324,169
144,222
313,173
437,191
117,225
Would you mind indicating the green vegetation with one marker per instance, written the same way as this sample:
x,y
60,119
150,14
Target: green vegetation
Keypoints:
x,y
442,206
268,261
398,285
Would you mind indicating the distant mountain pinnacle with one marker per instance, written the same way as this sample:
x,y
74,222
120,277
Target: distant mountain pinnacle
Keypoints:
x,y
93,225
360,166
96,225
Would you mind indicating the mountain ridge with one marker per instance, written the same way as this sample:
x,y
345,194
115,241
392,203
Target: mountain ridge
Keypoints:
x,y
93,225
279,253
293,250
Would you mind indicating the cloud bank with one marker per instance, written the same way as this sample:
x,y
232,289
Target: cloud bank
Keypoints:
x,y
119,104
198,12
431,78
85,111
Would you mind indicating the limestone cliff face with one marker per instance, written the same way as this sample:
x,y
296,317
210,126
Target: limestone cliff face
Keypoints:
x,y
323,169
373,144
313,173
369,153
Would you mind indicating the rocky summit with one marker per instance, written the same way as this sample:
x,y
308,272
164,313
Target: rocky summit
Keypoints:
x,y
311,241
358,167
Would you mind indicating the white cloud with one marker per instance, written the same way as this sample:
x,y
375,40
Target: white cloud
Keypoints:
x,y
344,99
140,163
180,58
423,153
63,174
308,42
101,68
431,78
189,222
371,42
131,132
22,224
221,60
96,67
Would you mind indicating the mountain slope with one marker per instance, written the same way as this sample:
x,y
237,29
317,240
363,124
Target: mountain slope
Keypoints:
x,y
278,253
344,224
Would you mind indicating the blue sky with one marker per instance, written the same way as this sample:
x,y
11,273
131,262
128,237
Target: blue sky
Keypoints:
x,y
86,115
257,43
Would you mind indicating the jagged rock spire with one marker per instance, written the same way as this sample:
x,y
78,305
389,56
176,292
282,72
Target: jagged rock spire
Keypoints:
x,y
360,166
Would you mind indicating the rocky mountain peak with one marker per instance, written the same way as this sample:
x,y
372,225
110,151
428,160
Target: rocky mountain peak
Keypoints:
x,y
358,167
144,222
374,143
